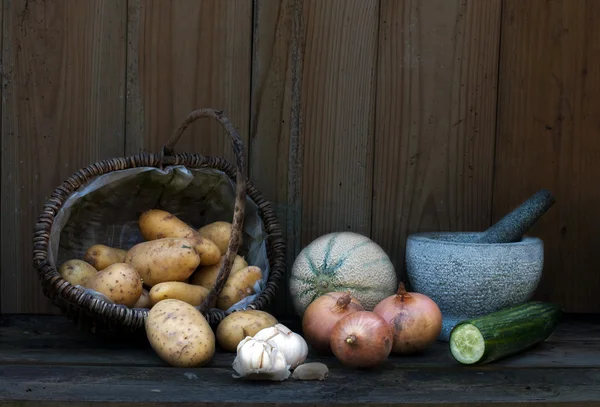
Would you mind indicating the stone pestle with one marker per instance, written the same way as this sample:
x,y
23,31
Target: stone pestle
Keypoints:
x,y
514,225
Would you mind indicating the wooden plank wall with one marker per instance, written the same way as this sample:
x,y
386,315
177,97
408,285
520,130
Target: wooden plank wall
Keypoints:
x,y
548,136
383,117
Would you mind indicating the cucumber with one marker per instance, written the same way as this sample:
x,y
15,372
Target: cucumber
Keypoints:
x,y
503,333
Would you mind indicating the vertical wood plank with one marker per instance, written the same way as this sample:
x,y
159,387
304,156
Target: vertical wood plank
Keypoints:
x,y
337,100
548,138
184,55
1,118
63,107
435,120
312,115
274,134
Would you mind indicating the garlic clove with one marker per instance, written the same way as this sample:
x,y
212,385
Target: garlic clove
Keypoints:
x,y
242,342
279,362
284,329
259,358
266,334
311,371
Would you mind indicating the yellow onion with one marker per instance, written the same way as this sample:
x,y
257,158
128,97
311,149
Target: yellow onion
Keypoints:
x,y
361,339
415,319
322,314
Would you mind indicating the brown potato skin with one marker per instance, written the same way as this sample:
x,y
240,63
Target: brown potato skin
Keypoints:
x,y
158,224
77,272
189,293
101,256
219,232
237,325
120,282
206,276
143,301
179,334
238,286
168,259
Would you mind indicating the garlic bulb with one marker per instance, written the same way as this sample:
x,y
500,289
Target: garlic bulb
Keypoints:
x,y
292,345
259,360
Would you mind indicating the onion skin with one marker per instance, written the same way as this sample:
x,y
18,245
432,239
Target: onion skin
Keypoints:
x,y
415,320
361,340
322,314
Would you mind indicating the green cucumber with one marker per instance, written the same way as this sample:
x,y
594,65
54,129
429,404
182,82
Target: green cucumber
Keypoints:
x,y
503,333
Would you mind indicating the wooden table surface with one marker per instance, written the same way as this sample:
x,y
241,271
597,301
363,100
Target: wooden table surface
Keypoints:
x,y
45,361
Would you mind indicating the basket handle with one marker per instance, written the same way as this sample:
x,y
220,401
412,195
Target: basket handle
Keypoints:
x,y
240,193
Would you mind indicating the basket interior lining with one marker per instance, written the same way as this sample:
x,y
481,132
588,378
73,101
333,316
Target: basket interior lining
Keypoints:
x,y
106,211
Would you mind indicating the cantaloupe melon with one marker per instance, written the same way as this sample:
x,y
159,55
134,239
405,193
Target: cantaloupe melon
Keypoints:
x,y
342,261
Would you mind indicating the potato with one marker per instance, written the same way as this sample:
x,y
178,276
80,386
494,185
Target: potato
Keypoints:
x,y
219,232
120,282
157,224
237,325
179,334
238,286
168,259
192,294
76,271
143,301
206,276
101,256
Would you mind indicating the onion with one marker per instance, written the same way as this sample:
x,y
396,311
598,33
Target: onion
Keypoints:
x,y
415,319
362,339
322,314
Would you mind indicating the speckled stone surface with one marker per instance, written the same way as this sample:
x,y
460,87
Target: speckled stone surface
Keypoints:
x,y
514,225
472,279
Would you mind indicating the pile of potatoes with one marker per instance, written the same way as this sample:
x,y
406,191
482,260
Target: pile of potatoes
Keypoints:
x,y
175,261
171,272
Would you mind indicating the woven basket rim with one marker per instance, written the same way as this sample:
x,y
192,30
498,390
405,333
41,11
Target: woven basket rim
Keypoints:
x,y
56,286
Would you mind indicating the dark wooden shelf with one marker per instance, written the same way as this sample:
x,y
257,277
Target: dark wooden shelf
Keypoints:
x,y
45,361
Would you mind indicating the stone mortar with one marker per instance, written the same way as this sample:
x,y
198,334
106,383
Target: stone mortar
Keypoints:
x,y
469,279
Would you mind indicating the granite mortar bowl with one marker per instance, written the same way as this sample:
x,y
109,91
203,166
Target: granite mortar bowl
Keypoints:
x,y
472,279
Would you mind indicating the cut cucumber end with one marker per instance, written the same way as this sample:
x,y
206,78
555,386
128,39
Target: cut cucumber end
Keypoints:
x,y
467,344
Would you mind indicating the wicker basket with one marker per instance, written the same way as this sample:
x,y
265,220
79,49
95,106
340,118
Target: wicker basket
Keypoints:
x,y
95,315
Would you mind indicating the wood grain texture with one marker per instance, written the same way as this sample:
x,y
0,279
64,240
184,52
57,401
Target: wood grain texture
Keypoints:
x,y
184,55
1,150
551,354
548,138
375,116
435,119
45,360
274,135
43,340
337,102
384,386
63,108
